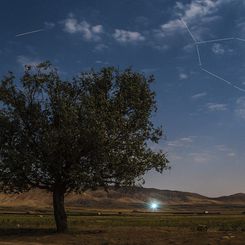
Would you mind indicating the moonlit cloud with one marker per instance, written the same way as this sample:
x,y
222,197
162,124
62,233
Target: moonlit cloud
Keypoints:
x,y
89,32
170,27
183,76
197,12
124,36
217,48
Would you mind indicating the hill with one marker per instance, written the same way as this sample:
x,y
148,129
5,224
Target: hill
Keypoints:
x,y
238,198
120,198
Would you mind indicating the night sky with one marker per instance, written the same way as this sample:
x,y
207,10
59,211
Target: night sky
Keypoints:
x,y
203,116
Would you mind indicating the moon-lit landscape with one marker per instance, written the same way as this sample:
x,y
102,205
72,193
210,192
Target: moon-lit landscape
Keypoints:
x,y
122,122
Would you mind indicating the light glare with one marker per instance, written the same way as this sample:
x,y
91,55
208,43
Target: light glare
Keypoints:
x,y
154,206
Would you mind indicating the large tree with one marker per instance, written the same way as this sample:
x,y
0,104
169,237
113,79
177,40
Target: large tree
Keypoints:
x,y
72,135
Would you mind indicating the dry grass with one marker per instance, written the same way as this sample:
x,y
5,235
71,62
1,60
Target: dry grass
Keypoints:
x,y
129,235
145,229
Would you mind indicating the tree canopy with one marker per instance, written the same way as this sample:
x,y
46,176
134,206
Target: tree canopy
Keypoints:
x,y
72,135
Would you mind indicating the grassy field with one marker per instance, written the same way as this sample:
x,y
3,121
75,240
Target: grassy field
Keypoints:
x,y
124,228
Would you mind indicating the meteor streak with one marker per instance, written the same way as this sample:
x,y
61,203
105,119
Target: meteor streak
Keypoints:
x,y
28,33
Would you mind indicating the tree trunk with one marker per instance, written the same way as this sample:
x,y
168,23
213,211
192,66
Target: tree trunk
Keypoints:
x,y
59,210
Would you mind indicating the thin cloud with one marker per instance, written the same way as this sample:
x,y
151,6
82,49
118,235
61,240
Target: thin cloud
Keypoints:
x,y
199,157
49,25
199,95
24,60
240,107
181,142
231,154
216,107
100,47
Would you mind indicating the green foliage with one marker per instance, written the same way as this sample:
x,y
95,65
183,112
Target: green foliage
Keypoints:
x,y
91,131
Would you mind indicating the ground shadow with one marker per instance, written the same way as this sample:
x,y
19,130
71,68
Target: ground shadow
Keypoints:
x,y
26,232
6,232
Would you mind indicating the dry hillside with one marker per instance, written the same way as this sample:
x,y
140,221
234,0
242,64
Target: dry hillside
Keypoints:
x,y
121,198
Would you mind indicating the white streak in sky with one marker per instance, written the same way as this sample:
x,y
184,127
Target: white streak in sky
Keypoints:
x,y
240,39
216,40
199,56
200,60
224,80
241,89
216,76
188,29
29,32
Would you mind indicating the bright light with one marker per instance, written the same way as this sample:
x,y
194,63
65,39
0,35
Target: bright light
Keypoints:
x,y
154,206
